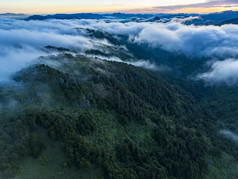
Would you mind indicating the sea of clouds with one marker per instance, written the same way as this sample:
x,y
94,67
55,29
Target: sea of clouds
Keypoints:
x,y
22,42
212,42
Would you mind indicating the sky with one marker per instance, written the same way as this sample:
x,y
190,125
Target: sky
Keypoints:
x,y
128,6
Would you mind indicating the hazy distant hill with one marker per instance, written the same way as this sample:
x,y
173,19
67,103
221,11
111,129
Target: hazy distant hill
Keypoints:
x,y
13,15
207,19
220,16
231,21
214,18
65,16
87,16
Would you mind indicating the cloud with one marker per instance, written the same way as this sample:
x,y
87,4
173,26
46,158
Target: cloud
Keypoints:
x,y
42,33
201,41
38,39
219,42
14,59
208,4
113,27
186,19
230,135
222,71
140,63
173,36
23,42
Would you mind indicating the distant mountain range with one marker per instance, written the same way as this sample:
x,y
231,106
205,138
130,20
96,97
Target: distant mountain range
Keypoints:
x,y
219,18
231,21
88,16
214,18
12,15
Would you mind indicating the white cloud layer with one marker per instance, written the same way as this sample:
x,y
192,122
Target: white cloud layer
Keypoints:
x,y
230,135
222,71
22,41
201,41
219,41
140,63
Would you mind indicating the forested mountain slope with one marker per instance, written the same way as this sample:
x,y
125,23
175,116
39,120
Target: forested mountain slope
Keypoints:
x,y
117,119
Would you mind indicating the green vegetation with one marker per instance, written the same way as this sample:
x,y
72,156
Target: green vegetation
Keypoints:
x,y
110,120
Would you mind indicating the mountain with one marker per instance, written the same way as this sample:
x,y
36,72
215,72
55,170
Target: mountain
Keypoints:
x,y
99,113
220,16
14,16
65,16
90,115
123,16
117,119
230,21
88,16
206,19
214,18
